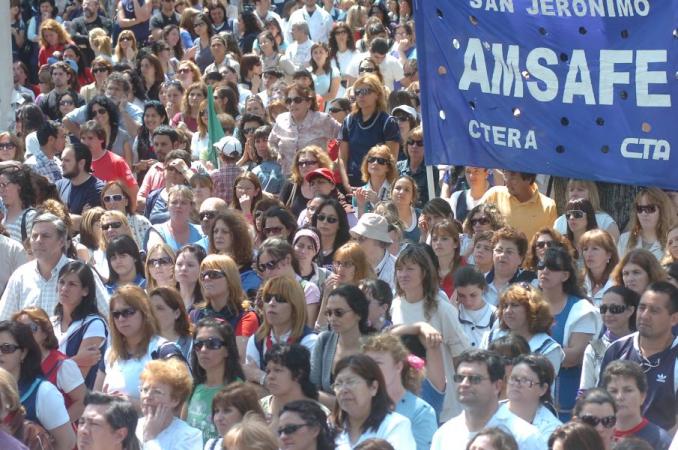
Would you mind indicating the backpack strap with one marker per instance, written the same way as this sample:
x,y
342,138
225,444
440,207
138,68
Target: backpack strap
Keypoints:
x,y
26,395
24,233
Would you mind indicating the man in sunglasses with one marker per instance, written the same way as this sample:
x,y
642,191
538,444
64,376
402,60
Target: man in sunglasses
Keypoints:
x,y
479,379
626,383
78,189
655,347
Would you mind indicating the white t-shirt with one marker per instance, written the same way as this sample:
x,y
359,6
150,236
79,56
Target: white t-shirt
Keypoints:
x,y
123,375
470,202
252,352
178,435
603,219
390,68
69,376
50,407
395,428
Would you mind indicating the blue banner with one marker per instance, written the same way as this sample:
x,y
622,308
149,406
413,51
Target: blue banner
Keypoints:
x,y
575,88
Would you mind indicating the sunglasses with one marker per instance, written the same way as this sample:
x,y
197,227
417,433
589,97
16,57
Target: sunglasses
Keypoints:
x,y
99,70
113,198
107,226
268,298
273,230
416,143
551,267
249,130
612,309
307,162
328,219
647,209
7,146
335,110
126,38
401,118
338,313
542,244
378,160
212,274
363,91
263,267
607,422
126,313
290,429
479,221
209,343
296,100
208,215
574,214
99,112
8,349
157,262
473,379
367,70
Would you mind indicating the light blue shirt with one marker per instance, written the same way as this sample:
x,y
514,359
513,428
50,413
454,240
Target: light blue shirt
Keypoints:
x,y
422,417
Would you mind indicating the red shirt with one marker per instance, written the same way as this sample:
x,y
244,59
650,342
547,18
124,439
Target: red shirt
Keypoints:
x,y
46,52
112,167
247,325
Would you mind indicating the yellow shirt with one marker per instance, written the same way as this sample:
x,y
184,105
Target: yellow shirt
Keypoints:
x,y
530,216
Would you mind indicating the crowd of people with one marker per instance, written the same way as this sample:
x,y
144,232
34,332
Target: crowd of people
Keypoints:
x,y
217,233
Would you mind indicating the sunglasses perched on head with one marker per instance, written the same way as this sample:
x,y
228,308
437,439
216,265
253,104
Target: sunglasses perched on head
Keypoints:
x,y
211,343
607,422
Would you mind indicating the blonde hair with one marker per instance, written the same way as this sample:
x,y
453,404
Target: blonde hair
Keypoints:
x,y
100,41
115,214
381,151
118,49
388,343
136,298
590,187
235,297
668,259
150,281
318,153
9,393
291,291
53,25
371,81
353,252
251,433
537,311
666,216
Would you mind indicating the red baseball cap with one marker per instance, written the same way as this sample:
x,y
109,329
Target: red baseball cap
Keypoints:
x,y
323,172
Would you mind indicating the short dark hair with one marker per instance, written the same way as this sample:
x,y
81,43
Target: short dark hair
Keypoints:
x,y
48,128
664,287
120,414
599,396
81,152
469,276
628,369
379,45
123,245
492,360
297,359
179,154
166,130
118,77
356,300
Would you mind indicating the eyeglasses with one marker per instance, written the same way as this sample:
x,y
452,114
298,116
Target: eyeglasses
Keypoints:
x,y
338,313
209,343
342,31
416,143
378,160
268,298
367,69
295,100
99,70
115,225
328,219
263,267
199,24
65,102
208,215
479,221
344,264
363,91
7,146
126,313
335,110
575,214
8,349
473,379
291,429
647,209
348,384
157,262
113,198
542,244
249,130
607,422
612,309
516,381
212,274
99,112
273,230
307,162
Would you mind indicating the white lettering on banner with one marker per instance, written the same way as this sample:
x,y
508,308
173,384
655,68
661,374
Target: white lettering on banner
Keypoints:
x,y
581,8
659,149
493,5
544,85
502,136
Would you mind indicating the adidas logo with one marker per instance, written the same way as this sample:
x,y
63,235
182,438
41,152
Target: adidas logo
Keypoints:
x,y
661,378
